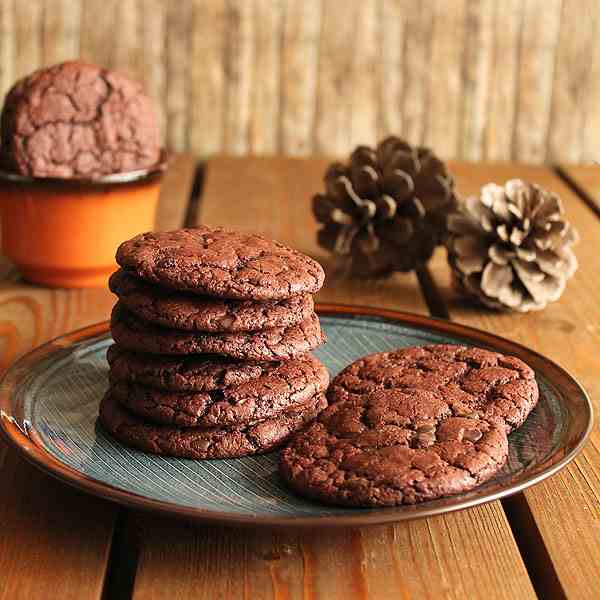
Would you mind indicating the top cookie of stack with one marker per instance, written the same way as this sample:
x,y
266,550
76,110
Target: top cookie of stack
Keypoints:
x,y
232,300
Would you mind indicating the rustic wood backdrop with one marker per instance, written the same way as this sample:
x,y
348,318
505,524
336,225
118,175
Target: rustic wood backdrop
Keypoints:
x,y
475,79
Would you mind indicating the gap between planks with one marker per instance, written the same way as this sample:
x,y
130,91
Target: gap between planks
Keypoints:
x,y
577,189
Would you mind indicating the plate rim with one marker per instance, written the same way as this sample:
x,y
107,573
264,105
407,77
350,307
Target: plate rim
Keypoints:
x,y
35,454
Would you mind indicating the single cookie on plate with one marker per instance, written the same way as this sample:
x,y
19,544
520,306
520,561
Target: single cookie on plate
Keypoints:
x,y
200,443
473,382
201,313
225,264
277,343
391,448
277,387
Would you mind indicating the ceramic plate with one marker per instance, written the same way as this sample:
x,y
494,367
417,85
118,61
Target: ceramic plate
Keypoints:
x,y
49,403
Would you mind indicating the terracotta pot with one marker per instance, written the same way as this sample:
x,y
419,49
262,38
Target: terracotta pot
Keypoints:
x,y
64,233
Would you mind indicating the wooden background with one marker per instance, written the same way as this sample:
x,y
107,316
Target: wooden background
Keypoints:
x,y
475,79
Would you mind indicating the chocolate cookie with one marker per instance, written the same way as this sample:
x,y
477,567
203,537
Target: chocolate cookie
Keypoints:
x,y
77,120
221,263
472,381
205,443
390,448
201,313
182,373
270,344
279,387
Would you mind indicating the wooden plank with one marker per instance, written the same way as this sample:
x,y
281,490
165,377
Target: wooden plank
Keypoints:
x,y
502,97
539,26
299,68
265,93
152,61
175,190
27,38
239,57
365,76
566,508
469,554
586,181
207,76
55,541
97,23
392,31
417,54
478,34
572,80
7,47
334,92
178,38
445,80
60,33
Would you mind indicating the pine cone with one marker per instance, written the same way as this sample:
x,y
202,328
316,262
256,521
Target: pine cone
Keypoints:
x,y
511,247
386,209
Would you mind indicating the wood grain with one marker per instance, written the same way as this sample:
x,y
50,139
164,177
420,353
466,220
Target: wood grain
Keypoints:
x,y
567,332
445,77
476,79
239,58
538,39
469,554
299,69
55,541
265,96
501,109
572,82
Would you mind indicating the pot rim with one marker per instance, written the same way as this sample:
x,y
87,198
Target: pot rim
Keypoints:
x,y
114,178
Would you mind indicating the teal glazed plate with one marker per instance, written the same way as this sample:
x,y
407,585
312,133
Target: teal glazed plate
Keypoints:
x,y
49,404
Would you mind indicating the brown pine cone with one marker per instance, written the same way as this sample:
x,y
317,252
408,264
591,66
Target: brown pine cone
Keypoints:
x,y
386,209
510,248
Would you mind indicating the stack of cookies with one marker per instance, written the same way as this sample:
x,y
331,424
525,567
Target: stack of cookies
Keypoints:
x,y
213,333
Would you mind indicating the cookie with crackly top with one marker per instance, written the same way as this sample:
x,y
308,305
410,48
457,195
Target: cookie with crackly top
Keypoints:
x,y
77,120
472,381
224,264
277,343
201,443
191,312
390,448
277,387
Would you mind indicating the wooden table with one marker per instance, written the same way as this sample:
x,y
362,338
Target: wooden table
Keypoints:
x,y
56,542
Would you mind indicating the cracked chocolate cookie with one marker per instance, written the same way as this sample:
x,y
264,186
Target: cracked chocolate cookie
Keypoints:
x,y
391,448
77,120
181,373
278,343
199,443
202,313
220,263
279,387
472,381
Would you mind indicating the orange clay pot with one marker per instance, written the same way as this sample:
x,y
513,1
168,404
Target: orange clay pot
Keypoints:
x,y
64,233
